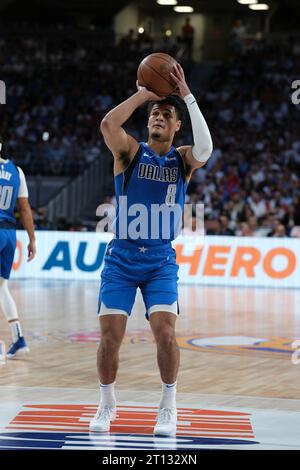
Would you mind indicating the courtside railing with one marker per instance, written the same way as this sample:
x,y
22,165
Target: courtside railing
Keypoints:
x,y
74,196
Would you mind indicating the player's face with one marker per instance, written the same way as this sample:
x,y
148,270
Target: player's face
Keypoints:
x,y
163,122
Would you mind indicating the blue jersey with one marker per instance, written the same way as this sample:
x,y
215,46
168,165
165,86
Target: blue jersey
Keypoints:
x,y
9,189
150,197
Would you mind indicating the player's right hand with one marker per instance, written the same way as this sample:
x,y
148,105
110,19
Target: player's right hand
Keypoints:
x,y
147,94
179,78
31,250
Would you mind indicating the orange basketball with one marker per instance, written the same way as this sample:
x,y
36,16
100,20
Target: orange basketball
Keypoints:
x,y
154,73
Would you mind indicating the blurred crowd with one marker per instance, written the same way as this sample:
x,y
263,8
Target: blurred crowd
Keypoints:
x,y
58,91
251,184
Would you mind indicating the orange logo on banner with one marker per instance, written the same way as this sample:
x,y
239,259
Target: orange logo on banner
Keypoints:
x,y
248,264
288,254
212,259
244,259
193,259
17,263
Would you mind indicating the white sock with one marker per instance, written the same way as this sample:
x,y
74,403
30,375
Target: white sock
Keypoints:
x,y
107,393
9,308
168,395
16,330
7,303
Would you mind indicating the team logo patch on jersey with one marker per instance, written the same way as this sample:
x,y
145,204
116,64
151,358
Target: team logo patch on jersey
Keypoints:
x,y
65,426
169,159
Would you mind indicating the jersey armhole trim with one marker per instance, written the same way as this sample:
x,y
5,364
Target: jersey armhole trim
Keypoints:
x,y
181,165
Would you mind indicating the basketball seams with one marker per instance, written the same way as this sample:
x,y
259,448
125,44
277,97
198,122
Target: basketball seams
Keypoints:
x,y
159,74
141,75
164,57
146,84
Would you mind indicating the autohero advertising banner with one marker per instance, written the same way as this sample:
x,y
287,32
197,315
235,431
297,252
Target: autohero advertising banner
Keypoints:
x,y
209,260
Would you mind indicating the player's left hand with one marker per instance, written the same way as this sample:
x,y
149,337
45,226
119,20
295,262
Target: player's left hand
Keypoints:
x,y
179,78
31,250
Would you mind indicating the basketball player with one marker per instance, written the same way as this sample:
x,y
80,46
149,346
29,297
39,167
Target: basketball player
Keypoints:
x,y
149,173
13,190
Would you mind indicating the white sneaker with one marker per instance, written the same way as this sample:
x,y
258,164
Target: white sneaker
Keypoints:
x,y
166,422
102,419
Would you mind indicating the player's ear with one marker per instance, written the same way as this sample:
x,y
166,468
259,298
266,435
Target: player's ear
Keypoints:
x,y
148,121
178,125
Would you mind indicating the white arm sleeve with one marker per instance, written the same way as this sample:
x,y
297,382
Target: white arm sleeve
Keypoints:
x,y
203,146
23,190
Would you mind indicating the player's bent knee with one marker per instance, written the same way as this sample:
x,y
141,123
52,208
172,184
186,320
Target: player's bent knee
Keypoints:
x,y
110,343
166,338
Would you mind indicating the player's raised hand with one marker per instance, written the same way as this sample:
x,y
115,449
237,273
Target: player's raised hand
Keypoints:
x,y
179,78
31,250
147,94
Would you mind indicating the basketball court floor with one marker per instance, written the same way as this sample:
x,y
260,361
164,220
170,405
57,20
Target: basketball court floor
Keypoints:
x,y
238,387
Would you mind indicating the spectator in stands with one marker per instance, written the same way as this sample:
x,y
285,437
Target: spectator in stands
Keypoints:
x,y
245,230
237,36
128,45
213,227
225,226
280,231
55,155
295,231
257,204
187,34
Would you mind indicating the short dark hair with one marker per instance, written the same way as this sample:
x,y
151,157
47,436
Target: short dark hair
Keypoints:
x,y
172,100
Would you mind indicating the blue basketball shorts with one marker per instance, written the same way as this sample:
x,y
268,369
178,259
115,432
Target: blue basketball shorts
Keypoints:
x,y
8,242
128,266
